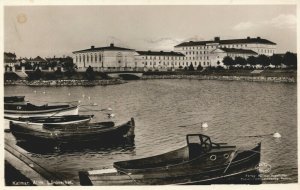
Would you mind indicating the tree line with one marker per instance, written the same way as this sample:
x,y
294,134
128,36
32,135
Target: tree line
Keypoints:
x,y
289,59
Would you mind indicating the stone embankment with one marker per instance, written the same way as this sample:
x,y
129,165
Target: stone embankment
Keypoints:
x,y
63,82
228,78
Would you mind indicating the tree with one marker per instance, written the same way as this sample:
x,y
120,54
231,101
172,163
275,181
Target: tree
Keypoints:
x,y
251,60
191,67
199,68
240,61
290,59
68,63
276,60
90,74
36,75
263,60
228,61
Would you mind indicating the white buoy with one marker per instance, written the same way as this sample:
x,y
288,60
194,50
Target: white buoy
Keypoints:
x,y
34,91
44,92
95,104
204,125
110,115
83,95
276,135
89,97
109,109
79,101
69,94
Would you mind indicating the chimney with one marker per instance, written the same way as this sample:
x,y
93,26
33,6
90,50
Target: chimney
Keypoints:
x,y
217,39
92,47
111,45
258,37
248,38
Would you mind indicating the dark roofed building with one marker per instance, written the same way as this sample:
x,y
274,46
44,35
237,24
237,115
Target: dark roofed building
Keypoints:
x,y
238,51
159,60
107,48
217,55
247,40
160,53
202,52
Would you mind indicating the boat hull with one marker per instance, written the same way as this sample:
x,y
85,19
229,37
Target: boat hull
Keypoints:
x,y
61,112
72,110
57,137
38,122
188,174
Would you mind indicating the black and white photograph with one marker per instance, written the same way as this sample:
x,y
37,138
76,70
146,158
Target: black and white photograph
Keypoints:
x,y
140,93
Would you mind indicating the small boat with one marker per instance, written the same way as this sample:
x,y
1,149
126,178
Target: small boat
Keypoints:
x,y
198,162
31,110
72,133
55,120
14,99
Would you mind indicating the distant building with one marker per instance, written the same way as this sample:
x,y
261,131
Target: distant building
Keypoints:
x,y
159,60
105,58
203,52
38,61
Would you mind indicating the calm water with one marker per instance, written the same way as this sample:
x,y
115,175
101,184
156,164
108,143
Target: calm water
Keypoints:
x,y
166,110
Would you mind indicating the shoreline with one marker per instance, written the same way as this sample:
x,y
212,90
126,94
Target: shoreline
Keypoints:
x,y
225,78
56,83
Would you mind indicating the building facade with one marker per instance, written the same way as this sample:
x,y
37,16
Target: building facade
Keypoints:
x,y
203,52
105,58
217,55
159,60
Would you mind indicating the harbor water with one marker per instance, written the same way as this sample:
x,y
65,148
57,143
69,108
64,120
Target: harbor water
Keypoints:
x,y
239,113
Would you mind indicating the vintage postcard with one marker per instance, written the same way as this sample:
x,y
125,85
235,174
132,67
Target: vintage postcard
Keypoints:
x,y
150,93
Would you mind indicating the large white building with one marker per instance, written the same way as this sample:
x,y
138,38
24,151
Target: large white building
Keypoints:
x,y
105,58
217,55
204,52
159,60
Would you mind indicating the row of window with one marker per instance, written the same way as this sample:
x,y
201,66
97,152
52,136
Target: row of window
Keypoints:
x,y
164,57
179,64
196,52
215,46
266,51
88,58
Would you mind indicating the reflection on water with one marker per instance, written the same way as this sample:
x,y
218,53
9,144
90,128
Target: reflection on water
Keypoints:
x,y
43,149
238,113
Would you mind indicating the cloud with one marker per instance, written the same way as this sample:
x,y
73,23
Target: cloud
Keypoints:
x,y
283,21
161,43
243,26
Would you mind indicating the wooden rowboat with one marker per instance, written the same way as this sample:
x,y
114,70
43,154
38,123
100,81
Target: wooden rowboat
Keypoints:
x,y
73,133
30,110
55,120
203,161
14,99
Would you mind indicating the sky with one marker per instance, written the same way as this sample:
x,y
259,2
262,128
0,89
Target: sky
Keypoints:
x,y
50,31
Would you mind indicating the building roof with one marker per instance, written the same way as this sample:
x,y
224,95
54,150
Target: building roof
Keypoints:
x,y
38,58
247,40
107,48
240,51
160,53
